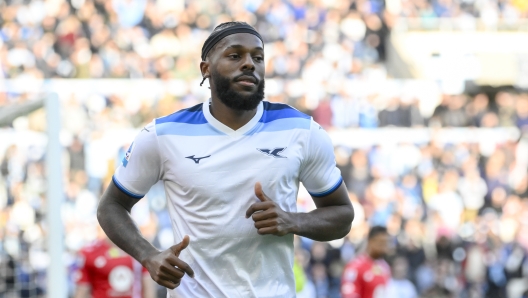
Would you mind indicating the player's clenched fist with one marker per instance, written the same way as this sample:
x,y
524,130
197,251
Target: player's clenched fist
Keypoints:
x,y
166,268
269,218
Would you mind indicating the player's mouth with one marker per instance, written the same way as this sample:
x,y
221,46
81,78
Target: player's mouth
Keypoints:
x,y
246,80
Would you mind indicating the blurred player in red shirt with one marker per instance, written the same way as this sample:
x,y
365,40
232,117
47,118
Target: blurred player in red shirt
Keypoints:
x,y
367,275
106,271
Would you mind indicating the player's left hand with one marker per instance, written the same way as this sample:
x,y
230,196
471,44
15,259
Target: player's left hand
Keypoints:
x,y
269,218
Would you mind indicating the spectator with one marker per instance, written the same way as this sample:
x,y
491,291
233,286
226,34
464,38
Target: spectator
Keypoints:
x,y
106,271
447,203
455,115
473,189
478,108
77,156
129,12
411,245
359,176
393,115
522,112
368,275
399,286
506,108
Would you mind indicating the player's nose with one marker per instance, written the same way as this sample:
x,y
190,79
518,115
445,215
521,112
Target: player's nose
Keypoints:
x,y
247,63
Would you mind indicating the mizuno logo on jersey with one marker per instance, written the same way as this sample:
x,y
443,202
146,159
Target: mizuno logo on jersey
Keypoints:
x,y
273,152
197,159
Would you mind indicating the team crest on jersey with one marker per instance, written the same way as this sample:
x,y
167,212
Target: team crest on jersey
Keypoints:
x,y
275,152
127,155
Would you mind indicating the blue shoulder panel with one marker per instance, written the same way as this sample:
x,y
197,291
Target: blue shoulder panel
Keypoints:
x,y
280,117
276,111
193,115
187,122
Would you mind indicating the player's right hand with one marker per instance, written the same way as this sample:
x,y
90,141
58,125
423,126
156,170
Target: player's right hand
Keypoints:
x,y
166,268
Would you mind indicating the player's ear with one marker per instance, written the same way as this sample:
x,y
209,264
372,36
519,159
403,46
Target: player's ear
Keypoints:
x,y
204,68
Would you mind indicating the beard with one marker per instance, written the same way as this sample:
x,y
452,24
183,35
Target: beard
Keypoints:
x,y
234,99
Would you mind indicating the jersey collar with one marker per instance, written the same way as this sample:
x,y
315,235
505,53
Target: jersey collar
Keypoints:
x,y
226,129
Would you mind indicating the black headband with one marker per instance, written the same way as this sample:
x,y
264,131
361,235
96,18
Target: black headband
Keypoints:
x,y
215,37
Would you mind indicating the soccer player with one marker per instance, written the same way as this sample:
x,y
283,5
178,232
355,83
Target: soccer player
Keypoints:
x,y
231,169
367,275
105,271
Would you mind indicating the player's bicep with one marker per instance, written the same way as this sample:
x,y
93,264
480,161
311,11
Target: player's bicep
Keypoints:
x,y
114,195
339,197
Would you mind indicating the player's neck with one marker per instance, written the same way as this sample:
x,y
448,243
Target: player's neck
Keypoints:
x,y
231,118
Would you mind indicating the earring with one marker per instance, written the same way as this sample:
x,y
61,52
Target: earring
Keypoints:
x,y
203,80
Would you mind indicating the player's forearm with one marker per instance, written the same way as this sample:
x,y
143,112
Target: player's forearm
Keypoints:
x,y
115,220
324,224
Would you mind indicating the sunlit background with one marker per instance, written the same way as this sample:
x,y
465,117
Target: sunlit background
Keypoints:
x,y
425,100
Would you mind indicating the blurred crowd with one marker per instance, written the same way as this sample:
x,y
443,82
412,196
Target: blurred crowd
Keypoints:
x,y
489,11
504,109
161,39
457,212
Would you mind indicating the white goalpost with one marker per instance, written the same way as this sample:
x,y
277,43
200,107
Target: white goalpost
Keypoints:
x,y
56,273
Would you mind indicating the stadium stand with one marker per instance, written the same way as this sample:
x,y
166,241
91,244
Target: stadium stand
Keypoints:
x,y
456,206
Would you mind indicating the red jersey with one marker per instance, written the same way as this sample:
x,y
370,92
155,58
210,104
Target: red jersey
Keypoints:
x,y
110,272
365,278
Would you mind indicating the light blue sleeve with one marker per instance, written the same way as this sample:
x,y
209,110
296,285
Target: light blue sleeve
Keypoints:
x,y
141,167
319,173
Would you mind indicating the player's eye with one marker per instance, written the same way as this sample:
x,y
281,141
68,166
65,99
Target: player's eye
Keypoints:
x,y
259,58
234,56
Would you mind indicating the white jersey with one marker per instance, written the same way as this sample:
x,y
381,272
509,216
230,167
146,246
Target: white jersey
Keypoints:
x,y
209,172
